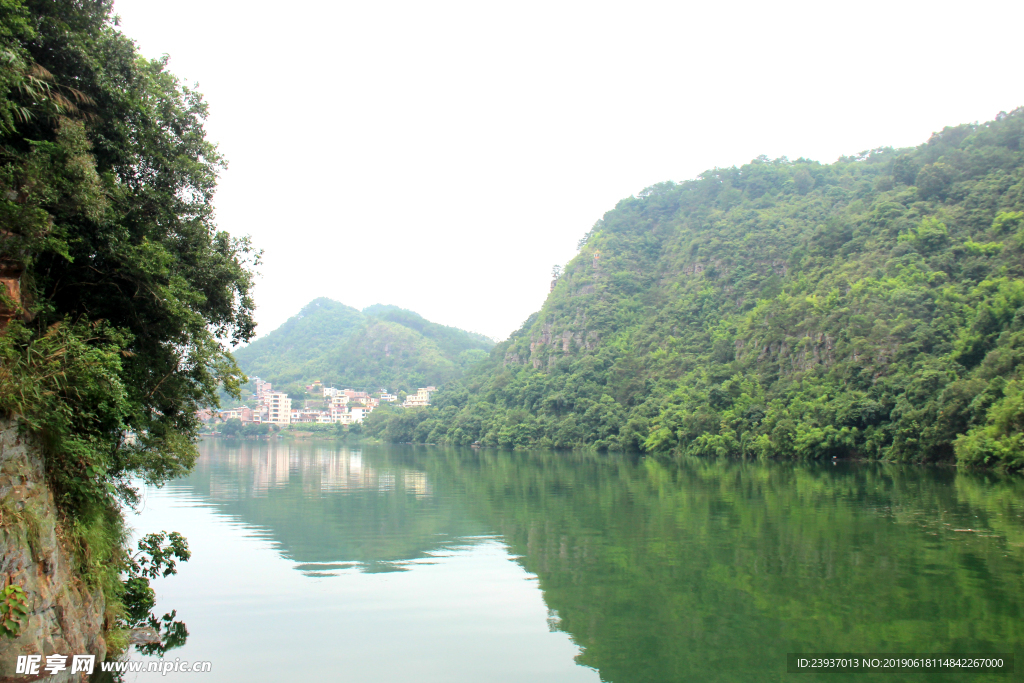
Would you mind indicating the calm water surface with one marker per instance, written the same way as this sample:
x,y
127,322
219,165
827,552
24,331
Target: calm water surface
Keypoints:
x,y
317,561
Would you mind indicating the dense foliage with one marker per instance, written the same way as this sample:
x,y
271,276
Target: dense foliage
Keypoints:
x,y
870,307
130,296
382,346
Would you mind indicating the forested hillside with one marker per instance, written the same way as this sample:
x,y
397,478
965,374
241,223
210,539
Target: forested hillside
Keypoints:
x,y
381,346
870,307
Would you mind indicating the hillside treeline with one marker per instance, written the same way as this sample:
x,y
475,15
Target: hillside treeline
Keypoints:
x,y
865,308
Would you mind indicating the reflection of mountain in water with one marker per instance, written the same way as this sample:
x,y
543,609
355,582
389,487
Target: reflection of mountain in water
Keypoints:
x,y
714,571
704,571
327,508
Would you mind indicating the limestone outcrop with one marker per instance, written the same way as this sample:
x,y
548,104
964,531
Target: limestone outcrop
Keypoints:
x,y
65,616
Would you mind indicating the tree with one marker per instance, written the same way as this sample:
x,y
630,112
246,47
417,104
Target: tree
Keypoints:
x,y
904,170
803,181
256,430
933,180
129,297
106,187
232,427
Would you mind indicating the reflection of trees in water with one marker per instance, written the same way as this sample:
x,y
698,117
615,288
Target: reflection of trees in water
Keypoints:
x,y
701,570
715,570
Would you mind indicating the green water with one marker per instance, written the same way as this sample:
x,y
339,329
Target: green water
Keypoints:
x,y
314,561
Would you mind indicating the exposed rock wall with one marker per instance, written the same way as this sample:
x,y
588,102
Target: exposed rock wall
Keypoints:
x,y
65,616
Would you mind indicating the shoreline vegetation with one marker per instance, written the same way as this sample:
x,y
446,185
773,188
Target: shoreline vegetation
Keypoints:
x,y
359,439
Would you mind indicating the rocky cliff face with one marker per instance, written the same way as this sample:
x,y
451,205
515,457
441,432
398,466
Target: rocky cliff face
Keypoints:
x,y
65,616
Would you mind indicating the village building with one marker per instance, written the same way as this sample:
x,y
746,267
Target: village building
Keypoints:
x,y
342,418
420,398
337,413
306,416
244,414
340,406
279,408
262,389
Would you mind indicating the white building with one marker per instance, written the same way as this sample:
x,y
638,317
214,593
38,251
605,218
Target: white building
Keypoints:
x,y
420,398
279,408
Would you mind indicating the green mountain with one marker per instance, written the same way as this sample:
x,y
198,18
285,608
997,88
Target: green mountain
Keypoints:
x,y
868,308
381,346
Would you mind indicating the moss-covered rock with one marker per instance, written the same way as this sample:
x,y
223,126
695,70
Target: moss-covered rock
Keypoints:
x,y
65,615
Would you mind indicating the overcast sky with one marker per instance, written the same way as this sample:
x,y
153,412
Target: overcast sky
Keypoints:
x,y
442,156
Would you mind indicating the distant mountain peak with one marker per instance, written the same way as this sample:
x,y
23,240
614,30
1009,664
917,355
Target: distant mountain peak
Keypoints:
x,y
382,345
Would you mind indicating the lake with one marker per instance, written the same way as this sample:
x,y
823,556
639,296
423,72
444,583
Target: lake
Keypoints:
x,y
321,561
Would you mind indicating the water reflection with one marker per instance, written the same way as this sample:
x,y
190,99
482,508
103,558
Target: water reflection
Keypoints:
x,y
327,508
702,571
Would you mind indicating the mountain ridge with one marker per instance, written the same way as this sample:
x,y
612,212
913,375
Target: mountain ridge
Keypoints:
x,y
866,308
380,346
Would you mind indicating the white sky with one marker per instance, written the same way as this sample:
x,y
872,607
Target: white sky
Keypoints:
x,y
442,156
